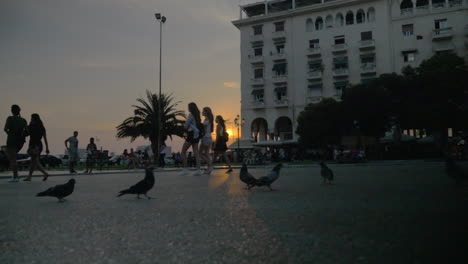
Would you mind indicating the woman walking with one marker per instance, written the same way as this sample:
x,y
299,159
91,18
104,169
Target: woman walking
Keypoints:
x,y
206,140
91,150
37,132
192,126
221,139
15,129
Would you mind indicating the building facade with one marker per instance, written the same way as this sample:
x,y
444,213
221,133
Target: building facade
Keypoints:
x,y
296,52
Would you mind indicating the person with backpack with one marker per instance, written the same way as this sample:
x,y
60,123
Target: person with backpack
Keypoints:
x,y
221,138
15,128
194,132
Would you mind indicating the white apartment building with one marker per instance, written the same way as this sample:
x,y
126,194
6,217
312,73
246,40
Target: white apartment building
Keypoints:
x,y
296,52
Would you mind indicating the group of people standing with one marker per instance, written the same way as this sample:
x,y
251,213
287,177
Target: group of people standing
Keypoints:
x,y
198,136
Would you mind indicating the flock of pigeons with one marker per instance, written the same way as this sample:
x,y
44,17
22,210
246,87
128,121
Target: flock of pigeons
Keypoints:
x,y
145,185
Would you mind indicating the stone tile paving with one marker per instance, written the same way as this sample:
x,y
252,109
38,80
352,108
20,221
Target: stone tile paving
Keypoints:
x,y
373,214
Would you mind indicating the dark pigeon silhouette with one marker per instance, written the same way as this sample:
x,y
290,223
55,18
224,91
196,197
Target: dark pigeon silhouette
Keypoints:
x,y
457,171
326,173
271,177
246,177
141,187
60,191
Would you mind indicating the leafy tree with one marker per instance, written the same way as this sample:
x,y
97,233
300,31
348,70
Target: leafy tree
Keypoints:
x,y
145,123
320,124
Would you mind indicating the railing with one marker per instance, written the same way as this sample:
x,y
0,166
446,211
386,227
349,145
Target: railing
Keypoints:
x,y
453,3
406,11
442,33
256,37
422,9
254,58
368,67
315,50
340,47
315,74
278,55
278,34
282,102
438,5
257,80
313,99
367,43
341,71
280,78
258,104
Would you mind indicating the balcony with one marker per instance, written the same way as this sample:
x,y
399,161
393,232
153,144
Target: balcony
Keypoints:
x,y
255,59
342,72
422,9
368,68
313,99
283,102
258,104
280,78
367,44
278,34
314,75
314,51
255,38
339,48
278,55
454,3
443,47
406,11
257,81
442,33
438,5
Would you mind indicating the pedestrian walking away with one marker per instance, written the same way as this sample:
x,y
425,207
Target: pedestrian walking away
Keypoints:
x,y
206,140
193,130
36,132
221,138
71,144
15,128
91,155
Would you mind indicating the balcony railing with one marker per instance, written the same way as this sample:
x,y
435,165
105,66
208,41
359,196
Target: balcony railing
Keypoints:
x,y
278,34
438,5
368,68
340,72
255,59
453,3
314,51
280,78
443,47
340,47
282,102
442,33
257,81
315,74
367,44
254,38
313,99
278,55
422,9
406,11
258,104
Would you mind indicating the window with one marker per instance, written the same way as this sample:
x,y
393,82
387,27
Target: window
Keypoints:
x,y
407,30
279,48
258,95
366,35
349,18
258,30
339,40
279,69
258,52
409,56
280,93
340,63
314,43
340,86
438,3
315,66
371,14
319,23
407,6
329,21
339,20
422,4
309,25
368,58
258,73
440,23
279,26
360,16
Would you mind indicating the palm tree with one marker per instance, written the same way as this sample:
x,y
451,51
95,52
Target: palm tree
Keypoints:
x,y
145,123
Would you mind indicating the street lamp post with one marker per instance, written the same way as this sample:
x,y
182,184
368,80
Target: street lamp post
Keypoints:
x,y
161,19
239,123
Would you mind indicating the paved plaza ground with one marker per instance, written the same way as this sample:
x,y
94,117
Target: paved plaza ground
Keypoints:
x,y
409,212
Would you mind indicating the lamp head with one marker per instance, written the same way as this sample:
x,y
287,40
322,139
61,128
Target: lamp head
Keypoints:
x,y
163,19
158,16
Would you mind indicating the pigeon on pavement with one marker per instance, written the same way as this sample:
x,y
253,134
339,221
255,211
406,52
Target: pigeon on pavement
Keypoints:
x,y
271,177
326,173
60,191
246,177
141,187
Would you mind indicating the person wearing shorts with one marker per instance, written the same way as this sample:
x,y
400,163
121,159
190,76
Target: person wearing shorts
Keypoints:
x,y
220,145
206,140
15,128
72,146
192,127
36,132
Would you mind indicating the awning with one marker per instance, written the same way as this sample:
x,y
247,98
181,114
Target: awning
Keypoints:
x,y
280,67
315,86
257,44
341,84
367,55
409,51
280,89
257,91
340,60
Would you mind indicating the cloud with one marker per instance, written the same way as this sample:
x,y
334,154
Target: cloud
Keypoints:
x,y
231,85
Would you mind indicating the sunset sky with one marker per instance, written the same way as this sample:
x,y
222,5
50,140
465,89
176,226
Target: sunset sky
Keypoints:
x,y
82,64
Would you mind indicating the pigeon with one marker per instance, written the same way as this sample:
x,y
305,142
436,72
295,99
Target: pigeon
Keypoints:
x,y
457,171
143,186
271,177
246,177
326,173
60,191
